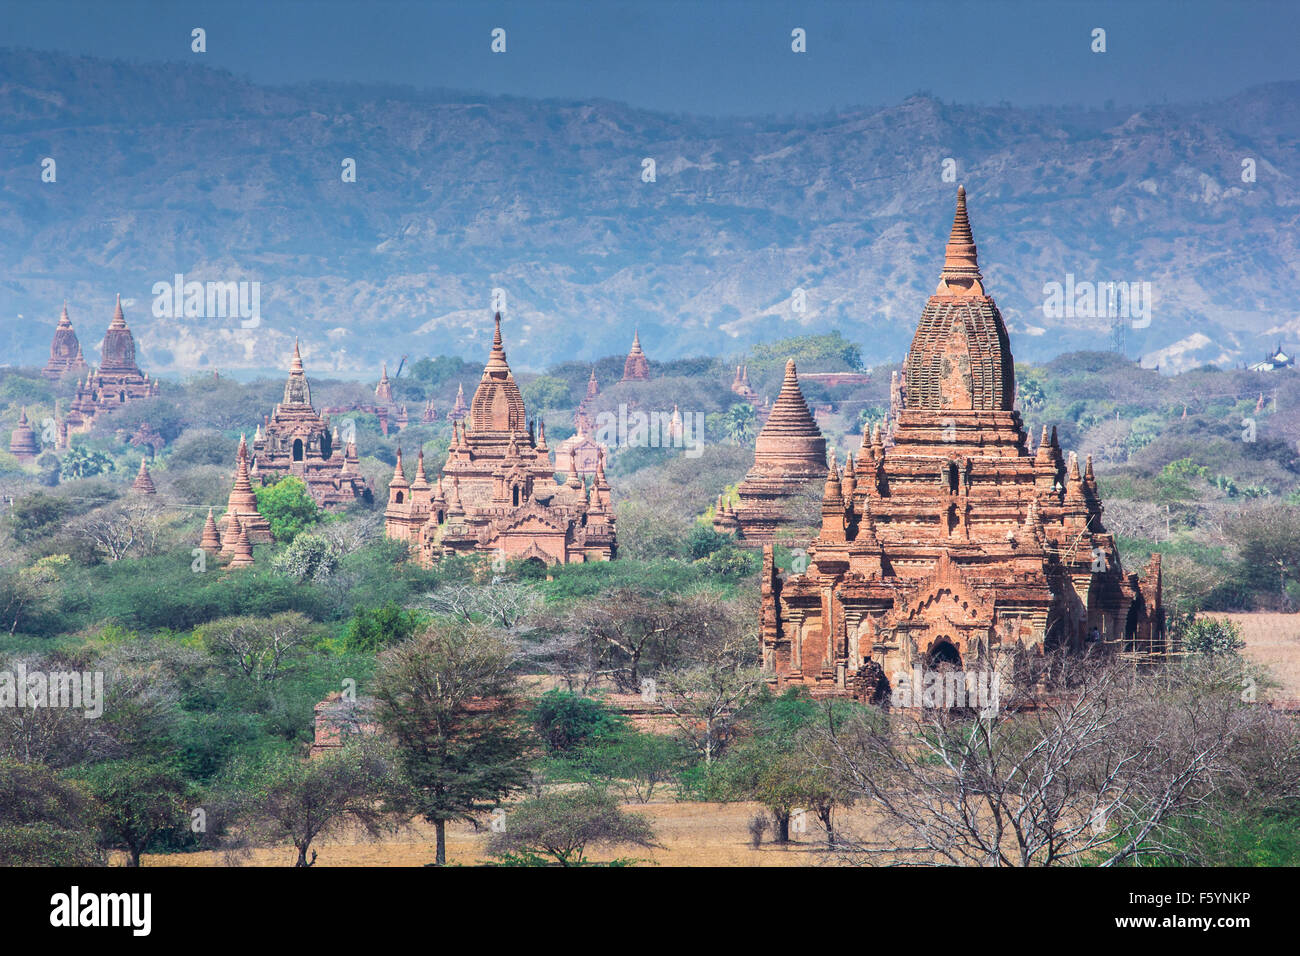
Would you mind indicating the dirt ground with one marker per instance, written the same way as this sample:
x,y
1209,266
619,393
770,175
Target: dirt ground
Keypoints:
x,y
692,834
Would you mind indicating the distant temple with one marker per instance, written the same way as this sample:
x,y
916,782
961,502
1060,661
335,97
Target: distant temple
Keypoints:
x,y
497,493
740,385
460,409
383,407
117,381
23,444
958,547
587,453
789,453
294,440
242,523
636,367
65,350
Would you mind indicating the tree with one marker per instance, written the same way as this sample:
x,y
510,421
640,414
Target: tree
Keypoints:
x,y
1206,635
139,801
740,423
628,628
311,557
258,647
129,528
44,820
567,722
708,691
1267,537
778,762
374,629
80,463
1101,772
448,700
288,507
32,590
560,826
297,801
546,392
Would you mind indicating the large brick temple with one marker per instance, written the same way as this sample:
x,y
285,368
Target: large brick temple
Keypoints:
x,y
116,382
65,350
497,493
294,440
960,545
789,453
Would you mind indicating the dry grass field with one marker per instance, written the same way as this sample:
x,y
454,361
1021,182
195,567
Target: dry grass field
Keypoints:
x,y
692,834
1272,641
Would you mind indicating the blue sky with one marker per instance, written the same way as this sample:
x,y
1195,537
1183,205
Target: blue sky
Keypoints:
x,y
707,57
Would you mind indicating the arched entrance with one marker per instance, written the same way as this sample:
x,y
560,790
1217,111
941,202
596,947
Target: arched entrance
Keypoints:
x,y
297,449
943,656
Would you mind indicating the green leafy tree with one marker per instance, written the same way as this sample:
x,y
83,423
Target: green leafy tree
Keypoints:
x,y
139,802
82,463
1207,636
374,629
740,423
546,392
558,828
296,801
448,700
288,506
44,819
567,722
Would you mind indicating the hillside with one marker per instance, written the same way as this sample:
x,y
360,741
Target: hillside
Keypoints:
x,y
175,168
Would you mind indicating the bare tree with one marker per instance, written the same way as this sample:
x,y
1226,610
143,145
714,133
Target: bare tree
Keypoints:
x,y
707,692
1099,772
129,528
258,646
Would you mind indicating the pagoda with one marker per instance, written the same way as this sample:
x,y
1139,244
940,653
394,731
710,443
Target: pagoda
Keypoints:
x,y
587,452
116,382
957,547
294,440
636,367
789,453
460,409
23,444
65,350
241,514
497,492
143,483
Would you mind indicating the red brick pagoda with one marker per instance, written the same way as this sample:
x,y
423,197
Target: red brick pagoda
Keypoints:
x,y
958,546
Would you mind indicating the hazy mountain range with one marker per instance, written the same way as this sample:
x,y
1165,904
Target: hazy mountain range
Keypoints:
x,y
176,168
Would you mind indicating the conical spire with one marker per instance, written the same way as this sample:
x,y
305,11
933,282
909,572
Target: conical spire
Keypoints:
x,y
790,441
64,321
961,271
243,550
119,320
143,481
211,539
399,474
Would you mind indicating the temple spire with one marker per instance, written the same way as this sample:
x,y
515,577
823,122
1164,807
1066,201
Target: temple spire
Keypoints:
x,y
961,271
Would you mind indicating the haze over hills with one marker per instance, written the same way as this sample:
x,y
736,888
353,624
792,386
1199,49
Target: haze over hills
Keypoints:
x,y
176,168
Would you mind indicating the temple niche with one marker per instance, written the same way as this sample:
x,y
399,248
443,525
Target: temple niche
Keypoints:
x,y
957,546
65,350
789,453
116,382
497,493
294,440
